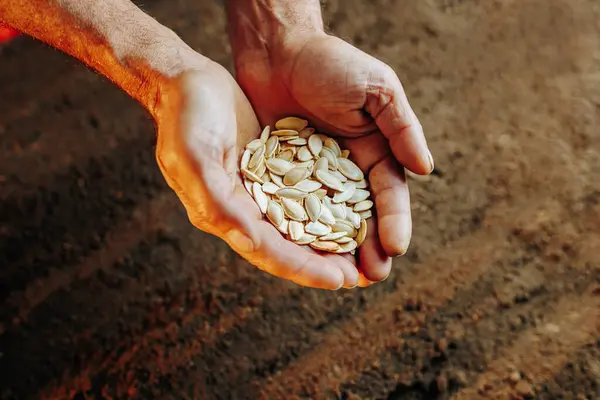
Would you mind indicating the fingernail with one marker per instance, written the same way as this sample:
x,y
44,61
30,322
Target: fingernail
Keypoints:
x,y
240,242
431,163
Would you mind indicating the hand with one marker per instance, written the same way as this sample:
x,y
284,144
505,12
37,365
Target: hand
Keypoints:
x,y
204,121
347,93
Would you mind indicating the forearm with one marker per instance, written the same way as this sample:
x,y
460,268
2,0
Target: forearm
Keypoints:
x,y
113,37
270,24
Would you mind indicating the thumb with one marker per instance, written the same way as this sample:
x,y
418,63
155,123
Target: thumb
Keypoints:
x,y
387,103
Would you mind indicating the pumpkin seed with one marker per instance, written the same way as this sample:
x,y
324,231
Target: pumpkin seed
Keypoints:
x,y
308,185
271,146
362,232
254,145
260,197
358,196
264,135
331,247
296,175
245,159
307,238
291,193
287,155
306,132
365,214
331,158
270,187
298,141
293,209
350,170
275,213
329,180
347,247
333,145
284,133
317,228
333,236
363,206
293,123
315,144
313,207
304,154
279,166
342,197
326,216
252,176
345,154
296,230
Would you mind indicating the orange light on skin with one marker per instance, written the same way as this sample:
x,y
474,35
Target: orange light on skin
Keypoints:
x,y
7,33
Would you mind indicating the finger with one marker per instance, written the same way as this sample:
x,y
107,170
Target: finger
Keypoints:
x,y
282,258
374,263
388,105
392,203
347,264
363,282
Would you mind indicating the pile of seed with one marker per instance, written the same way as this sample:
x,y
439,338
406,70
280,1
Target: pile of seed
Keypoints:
x,y
307,187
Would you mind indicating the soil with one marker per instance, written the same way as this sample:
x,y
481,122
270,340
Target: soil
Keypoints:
x,y
107,291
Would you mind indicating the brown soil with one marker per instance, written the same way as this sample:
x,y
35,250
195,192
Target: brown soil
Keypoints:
x,y
108,292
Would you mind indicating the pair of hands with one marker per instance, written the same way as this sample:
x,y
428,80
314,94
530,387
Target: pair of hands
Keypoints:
x,y
209,118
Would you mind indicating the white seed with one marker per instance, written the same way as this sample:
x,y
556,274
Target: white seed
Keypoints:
x,y
321,164
245,159
287,155
283,227
307,238
288,139
338,175
358,196
344,226
298,141
264,135
265,177
365,214
260,169
284,133
306,132
338,210
305,164
293,123
279,166
353,218
291,193
252,176
341,197
278,180
317,228
326,216
296,230
313,207
308,185
344,239
293,209
333,145
345,154
271,146
260,197
362,232
331,247
270,187
254,145
329,180
331,158
350,170
347,247
362,184
333,236
321,193
296,175
363,206
257,156
315,144
275,213
304,154
248,185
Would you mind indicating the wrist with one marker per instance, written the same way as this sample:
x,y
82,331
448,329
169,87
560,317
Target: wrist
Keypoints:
x,y
270,28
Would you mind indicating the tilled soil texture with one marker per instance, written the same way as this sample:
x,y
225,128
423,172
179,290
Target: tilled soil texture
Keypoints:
x,y
107,291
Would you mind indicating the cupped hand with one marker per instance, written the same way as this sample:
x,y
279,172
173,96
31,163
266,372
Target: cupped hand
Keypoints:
x,y
204,121
347,93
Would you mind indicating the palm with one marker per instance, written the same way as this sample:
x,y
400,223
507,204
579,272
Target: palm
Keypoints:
x,y
339,89
199,158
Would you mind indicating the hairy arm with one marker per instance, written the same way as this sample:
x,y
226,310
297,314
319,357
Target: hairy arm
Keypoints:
x,y
113,37
269,24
